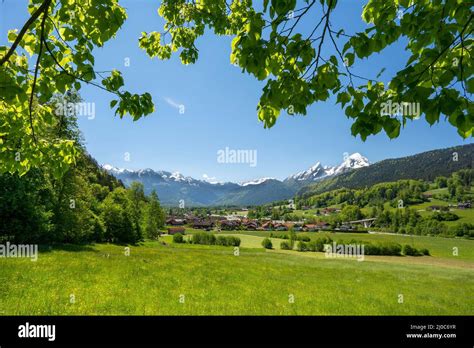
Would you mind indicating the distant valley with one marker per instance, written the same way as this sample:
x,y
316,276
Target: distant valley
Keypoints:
x,y
354,172
173,187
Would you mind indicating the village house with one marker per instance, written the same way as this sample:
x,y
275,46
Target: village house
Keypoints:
x,y
229,225
250,225
298,226
280,227
438,208
310,228
175,222
464,205
329,211
202,224
268,226
234,217
215,218
174,230
321,225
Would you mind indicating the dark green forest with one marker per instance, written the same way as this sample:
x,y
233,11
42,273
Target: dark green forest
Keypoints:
x,y
84,205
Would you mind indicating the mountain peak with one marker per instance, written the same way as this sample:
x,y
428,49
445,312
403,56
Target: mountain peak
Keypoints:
x,y
113,169
256,181
356,160
317,171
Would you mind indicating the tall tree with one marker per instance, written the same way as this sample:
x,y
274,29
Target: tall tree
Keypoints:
x,y
154,216
118,217
137,198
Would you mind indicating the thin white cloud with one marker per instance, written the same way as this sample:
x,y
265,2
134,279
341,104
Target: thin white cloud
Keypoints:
x,y
172,103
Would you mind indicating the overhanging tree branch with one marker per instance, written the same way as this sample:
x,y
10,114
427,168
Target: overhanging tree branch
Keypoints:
x,y
72,75
30,106
43,8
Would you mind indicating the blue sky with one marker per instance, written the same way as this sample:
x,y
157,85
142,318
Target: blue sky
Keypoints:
x,y
220,108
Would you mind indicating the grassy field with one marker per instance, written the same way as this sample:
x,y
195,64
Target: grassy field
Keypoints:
x,y
183,279
465,215
439,247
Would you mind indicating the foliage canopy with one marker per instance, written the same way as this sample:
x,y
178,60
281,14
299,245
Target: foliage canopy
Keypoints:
x,y
268,42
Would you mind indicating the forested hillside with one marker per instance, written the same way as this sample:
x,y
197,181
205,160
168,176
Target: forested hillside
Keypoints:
x,y
84,204
424,166
443,207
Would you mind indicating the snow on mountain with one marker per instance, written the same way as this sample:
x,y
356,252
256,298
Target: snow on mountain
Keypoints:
x,y
177,176
174,186
354,161
108,167
255,182
316,172
115,170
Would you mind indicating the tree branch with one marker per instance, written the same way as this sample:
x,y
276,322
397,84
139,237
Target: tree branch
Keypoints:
x,y
420,75
30,106
44,7
74,76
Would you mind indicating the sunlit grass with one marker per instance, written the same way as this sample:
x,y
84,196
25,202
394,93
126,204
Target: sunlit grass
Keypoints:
x,y
214,281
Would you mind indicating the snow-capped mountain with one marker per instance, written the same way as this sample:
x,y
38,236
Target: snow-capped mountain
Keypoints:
x,y
255,182
318,171
354,161
315,172
172,187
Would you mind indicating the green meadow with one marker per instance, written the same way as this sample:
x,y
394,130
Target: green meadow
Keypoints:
x,y
163,278
439,247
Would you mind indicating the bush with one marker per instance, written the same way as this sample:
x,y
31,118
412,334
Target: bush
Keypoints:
x,y
267,243
210,239
285,245
301,246
178,238
233,241
204,238
320,242
408,250
227,241
462,230
445,216
312,246
303,238
280,236
221,240
371,249
392,249
425,252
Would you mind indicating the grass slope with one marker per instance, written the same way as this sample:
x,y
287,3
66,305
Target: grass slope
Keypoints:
x,y
215,282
